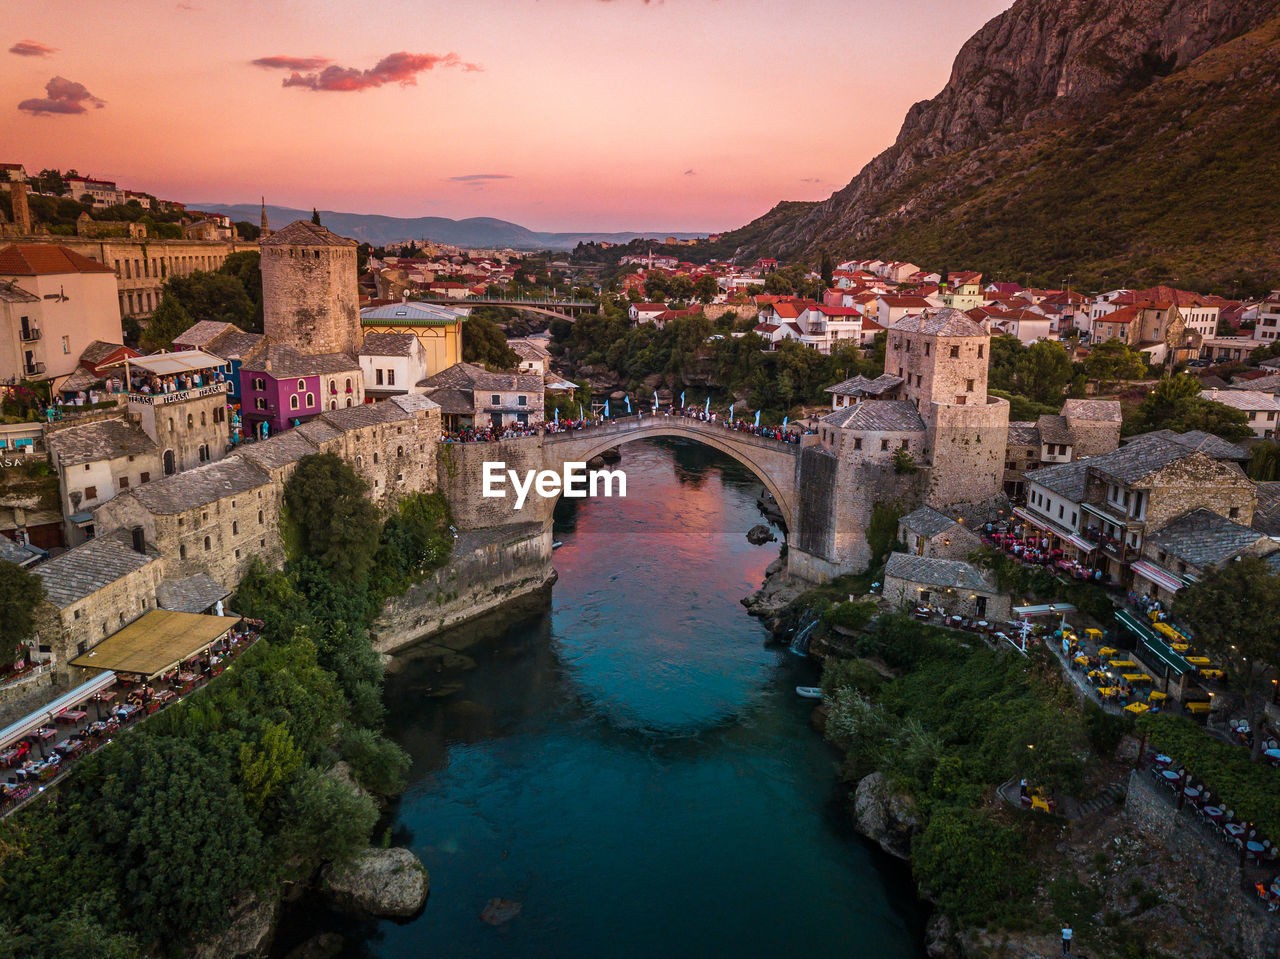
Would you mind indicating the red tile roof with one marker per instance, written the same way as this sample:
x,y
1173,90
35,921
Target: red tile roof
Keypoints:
x,y
37,259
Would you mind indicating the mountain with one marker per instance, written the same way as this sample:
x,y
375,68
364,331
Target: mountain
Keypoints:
x,y
1124,142
475,232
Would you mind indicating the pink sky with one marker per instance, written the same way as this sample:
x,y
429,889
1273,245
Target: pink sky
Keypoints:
x,y
598,114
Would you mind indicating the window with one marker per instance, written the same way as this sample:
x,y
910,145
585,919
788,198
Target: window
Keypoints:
x,y
857,442
391,377
377,376
191,421
495,399
1073,520
399,452
333,387
961,400
260,403
66,344
927,344
86,467
979,351
208,544
293,402
1060,511
124,482
968,386
259,383
955,352
884,444
1234,512
348,386
302,384
237,554
311,400
235,528
91,492
522,400
375,458
924,596
919,379
145,478
260,517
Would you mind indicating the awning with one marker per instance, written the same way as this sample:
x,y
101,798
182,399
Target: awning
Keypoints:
x,y
1049,609
1157,575
1151,645
156,642
32,721
169,364
1080,543
1036,521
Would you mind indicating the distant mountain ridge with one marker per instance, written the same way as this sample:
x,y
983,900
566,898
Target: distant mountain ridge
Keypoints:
x,y
475,232
1119,139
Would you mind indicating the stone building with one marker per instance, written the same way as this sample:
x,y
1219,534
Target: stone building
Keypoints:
x,y
927,532
94,590
438,329
94,462
1183,550
283,387
215,519
1084,428
310,299
954,587
392,363
472,396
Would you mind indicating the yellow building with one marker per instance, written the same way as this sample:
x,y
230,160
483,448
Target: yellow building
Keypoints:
x,y
438,329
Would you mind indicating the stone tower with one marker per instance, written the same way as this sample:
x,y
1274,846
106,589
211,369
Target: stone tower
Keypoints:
x,y
266,230
309,295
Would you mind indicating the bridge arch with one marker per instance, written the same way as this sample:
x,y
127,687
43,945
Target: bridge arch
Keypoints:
x,y
771,462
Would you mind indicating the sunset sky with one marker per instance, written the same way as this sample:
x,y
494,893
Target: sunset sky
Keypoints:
x,y
557,114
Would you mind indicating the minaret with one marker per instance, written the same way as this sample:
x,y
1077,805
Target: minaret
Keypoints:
x,y
266,230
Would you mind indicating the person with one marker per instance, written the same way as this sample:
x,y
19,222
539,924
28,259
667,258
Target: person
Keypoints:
x,y
1066,939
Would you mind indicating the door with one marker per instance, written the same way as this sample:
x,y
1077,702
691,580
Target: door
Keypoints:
x,y
981,607
495,420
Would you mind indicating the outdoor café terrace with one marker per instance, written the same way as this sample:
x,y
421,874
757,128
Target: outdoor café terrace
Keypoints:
x,y
154,662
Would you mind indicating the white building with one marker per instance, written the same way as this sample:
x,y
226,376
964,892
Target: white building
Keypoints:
x,y
1261,408
1268,328
392,363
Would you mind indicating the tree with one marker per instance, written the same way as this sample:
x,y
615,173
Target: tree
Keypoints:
x,y
483,342
1175,404
315,216
328,519
1233,610
827,268
1113,360
20,594
705,288
218,297
246,230
1044,371
246,266
167,321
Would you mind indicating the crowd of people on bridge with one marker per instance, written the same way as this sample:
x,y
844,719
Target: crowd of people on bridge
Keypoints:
x,y
494,434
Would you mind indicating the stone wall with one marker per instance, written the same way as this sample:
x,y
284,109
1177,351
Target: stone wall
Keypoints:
x,y
745,311
1215,868
460,475
310,297
968,452
488,568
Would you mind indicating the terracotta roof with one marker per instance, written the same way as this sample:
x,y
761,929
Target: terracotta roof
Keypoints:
x,y
305,233
41,259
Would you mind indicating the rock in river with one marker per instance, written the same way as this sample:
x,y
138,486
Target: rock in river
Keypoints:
x,y
386,883
759,534
884,816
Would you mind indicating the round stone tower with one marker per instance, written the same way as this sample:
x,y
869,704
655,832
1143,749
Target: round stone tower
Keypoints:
x,y
309,295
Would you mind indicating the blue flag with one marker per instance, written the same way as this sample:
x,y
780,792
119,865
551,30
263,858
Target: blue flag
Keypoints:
x,y
557,418
628,399
655,401
580,416
708,410
682,399
784,422
757,417
606,409
731,405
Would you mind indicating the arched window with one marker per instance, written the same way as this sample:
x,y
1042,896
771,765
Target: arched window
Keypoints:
x,y
169,465
333,387
293,402
302,384
359,462
311,400
208,544
191,421
348,401
333,404
348,384
375,459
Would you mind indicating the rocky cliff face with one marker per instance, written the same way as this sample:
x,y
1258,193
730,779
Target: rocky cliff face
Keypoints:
x,y
1042,64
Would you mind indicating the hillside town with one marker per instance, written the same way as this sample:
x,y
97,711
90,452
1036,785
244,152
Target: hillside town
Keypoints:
x,y
144,481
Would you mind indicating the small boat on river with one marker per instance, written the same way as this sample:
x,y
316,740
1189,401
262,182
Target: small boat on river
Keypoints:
x,y
810,692
557,544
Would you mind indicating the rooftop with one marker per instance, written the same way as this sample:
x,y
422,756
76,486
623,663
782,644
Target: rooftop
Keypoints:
x,y
1141,457
1266,515
410,313
44,259
1247,401
468,376
898,416
194,594
284,362
305,233
200,486
388,344
82,571
1207,443
1104,410
201,334
1065,479
952,573
927,521
1054,429
101,440
1024,434
942,321
864,386
1203,538
280,450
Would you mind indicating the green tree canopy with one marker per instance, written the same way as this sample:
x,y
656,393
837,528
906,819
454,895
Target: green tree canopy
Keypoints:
x,y
315,216
220,297
483,342
1112,360
20,594
1233,611
1175,403
328,518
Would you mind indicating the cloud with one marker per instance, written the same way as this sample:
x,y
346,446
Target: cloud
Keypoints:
x,y
291,63
811,179
402,68
63,96
29,48
690,172
473,177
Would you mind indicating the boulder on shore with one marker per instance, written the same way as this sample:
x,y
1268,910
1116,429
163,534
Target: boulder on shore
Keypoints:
x,y
885,817
253,926
760,534
382,883
327,945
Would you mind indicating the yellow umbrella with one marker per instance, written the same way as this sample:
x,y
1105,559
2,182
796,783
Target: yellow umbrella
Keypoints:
x,y
1107,690
1180,647
1211,673
1122,664
1198,707
1106,651
1165,629
1137,708
1199,660
1082,659
1156,696
1094,634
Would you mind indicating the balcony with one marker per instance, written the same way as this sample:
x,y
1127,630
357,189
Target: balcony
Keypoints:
x,y
30,334
32,368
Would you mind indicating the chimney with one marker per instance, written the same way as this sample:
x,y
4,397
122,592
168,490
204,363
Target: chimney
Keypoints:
x,y
21,211
139,540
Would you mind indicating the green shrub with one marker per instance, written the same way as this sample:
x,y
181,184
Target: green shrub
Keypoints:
x,y
851,616
378,763
975,868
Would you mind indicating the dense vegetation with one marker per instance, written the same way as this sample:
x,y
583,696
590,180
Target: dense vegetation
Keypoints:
x,y
230,294
945,725
152,840
20,594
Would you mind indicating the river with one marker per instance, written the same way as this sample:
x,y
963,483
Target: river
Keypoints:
x,y
633,765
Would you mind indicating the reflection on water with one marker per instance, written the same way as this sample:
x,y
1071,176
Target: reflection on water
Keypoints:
x,y
633,765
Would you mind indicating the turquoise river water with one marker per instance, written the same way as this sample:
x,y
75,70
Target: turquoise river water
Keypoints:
x,y
633,765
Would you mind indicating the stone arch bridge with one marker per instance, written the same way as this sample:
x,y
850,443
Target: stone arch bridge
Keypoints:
x,y
461,465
